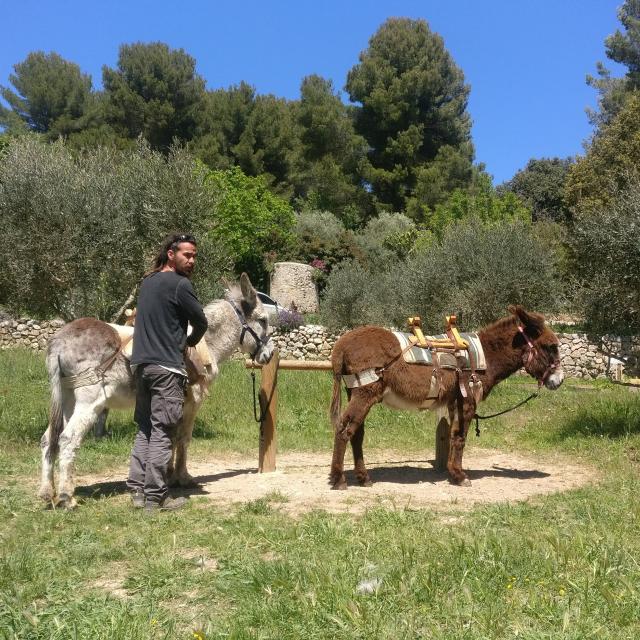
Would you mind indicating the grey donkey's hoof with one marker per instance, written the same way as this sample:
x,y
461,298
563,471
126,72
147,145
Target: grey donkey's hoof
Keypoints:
x,y
65,501
46,495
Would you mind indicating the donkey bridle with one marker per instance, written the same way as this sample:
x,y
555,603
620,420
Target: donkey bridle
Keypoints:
x,y
532,350
260,342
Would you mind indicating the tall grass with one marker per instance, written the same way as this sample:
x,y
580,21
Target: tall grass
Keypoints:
x,y
561,566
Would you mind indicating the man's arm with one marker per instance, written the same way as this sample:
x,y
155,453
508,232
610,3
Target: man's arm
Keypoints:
x,y
193,310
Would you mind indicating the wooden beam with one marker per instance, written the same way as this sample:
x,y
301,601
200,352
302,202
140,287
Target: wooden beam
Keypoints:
x,y
443,438
268,409
294,365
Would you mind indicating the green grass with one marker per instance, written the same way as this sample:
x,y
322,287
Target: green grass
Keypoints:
x,y
560,566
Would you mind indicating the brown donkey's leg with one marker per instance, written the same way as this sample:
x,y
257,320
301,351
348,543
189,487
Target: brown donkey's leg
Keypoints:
x,y
459,429
358,458
352,421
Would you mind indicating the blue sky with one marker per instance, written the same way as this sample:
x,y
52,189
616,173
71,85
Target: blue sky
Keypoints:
x,y
526,60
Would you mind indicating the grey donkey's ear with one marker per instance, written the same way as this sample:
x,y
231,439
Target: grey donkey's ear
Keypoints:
x,y
248,292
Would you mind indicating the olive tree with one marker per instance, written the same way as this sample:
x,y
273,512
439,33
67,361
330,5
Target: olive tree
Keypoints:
x,y
605,246
80,229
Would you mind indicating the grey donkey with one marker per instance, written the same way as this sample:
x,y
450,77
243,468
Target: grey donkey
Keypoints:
x,y
88,374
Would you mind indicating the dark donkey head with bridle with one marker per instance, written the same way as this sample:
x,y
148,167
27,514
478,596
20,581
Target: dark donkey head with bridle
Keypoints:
x,y
374,354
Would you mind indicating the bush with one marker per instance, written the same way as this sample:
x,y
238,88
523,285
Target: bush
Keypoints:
x,y
355,295
475,271
380,242
256,224
322,241
605,246
83,228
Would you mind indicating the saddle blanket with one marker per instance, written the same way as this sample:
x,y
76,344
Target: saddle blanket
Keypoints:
x,y
126,338
421,355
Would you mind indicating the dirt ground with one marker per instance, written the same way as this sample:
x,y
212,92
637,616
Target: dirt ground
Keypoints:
x,y
400,481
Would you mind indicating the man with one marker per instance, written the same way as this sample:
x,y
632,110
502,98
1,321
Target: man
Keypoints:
x,y
166,304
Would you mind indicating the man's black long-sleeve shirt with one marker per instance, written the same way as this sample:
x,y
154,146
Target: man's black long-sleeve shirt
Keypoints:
x,y
166,304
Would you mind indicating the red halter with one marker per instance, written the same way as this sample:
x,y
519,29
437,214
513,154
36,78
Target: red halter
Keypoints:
x,y
531,351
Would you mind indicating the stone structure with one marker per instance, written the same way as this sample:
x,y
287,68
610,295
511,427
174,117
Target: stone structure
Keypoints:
x,y
293,282
581,357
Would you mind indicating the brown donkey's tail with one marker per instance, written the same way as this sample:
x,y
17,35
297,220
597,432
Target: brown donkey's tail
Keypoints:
x,y
55,411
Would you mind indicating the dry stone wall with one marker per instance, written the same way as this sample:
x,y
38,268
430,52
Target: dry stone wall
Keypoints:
x,y
25,332
581,357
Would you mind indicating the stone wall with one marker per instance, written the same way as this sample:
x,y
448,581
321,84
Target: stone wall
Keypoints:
x,y
581,358
25,332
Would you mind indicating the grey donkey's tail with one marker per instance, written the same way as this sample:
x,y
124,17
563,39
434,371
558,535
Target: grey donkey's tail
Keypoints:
x,y
56,422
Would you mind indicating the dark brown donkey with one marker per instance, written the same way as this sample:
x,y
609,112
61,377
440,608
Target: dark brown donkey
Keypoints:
x,y
520,340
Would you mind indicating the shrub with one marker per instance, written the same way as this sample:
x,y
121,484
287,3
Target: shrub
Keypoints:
x,y
83,228
355,295
321,227
256,224
381,241
475,271
322,241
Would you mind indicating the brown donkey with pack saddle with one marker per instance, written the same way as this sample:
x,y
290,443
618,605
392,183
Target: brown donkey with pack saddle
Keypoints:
x,y
370,361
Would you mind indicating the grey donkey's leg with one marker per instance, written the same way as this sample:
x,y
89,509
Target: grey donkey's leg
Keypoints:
x,y
83,418
47,487
100,427
180,476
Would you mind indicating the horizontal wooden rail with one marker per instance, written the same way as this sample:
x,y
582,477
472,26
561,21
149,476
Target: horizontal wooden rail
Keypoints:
x,y
295,365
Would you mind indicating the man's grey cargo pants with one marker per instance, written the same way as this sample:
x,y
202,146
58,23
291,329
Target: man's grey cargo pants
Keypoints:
x,y
159,403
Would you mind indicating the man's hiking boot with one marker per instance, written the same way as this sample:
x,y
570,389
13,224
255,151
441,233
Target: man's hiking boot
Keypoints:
x,y
168,504
137,499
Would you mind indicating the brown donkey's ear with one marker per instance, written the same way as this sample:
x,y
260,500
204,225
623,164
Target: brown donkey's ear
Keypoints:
x,y
532,322
248,292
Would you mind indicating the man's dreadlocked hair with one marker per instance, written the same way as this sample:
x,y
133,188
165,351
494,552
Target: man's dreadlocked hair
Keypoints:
x,y
170,243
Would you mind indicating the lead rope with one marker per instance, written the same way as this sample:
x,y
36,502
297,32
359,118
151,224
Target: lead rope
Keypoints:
x,y
500,413
263,411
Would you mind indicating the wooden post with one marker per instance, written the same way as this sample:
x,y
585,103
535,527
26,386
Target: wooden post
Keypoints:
x,y
268,407
443,434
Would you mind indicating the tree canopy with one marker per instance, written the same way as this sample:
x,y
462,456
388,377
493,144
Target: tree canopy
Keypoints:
x,y
623,48
610,163
51,95
540,185
413,103
154,92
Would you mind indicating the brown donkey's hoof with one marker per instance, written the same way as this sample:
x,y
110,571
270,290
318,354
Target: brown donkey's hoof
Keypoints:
x,y
460,482
365,483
